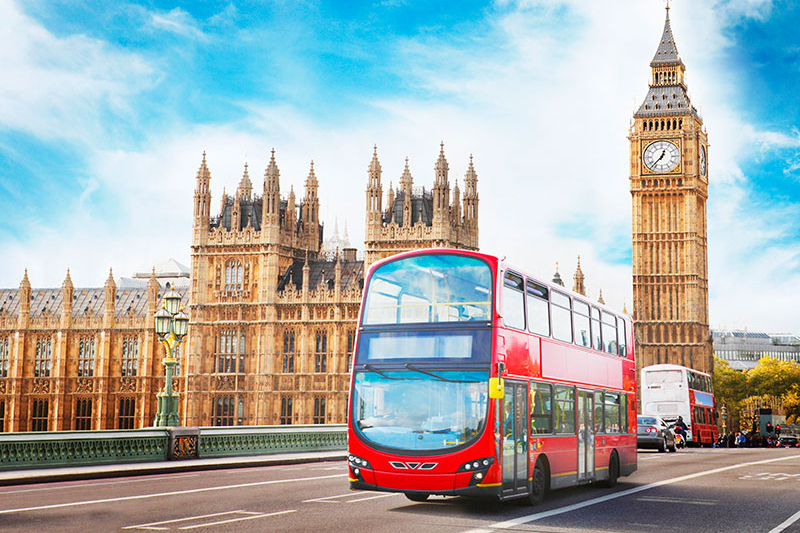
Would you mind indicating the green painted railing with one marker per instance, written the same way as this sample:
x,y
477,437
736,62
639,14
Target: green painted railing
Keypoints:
x,y
229,441
75,448
80,448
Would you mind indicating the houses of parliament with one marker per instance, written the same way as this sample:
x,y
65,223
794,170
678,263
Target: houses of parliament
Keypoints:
x,y
273,314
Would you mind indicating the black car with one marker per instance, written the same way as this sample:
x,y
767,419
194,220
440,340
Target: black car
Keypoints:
x,y
653,432
788,441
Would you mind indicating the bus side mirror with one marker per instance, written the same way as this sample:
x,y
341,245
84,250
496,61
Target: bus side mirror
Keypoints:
x,y
496,390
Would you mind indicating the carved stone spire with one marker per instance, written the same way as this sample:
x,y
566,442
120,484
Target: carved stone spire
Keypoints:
x,y
67,289
557,277
578,285
245,189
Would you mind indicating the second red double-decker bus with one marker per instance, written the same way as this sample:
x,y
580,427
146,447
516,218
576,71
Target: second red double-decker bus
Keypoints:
x,y
472,377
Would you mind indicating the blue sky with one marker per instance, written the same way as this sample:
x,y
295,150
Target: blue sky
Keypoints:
x,y
106,109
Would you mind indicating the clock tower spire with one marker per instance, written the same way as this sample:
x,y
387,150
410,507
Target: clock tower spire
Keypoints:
x,y
669,190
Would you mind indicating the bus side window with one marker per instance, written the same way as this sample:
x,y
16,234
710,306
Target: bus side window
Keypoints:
x,y
597,342
623,413
599,425
565,410
561,313
612,412
538,310
610,333
513,303
541,409
580,320
623,343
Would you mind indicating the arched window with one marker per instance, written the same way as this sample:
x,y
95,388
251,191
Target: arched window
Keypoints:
x,y
288,351
233,275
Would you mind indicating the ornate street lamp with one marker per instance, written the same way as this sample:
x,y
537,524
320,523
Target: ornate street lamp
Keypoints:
x,y
171,324
724,416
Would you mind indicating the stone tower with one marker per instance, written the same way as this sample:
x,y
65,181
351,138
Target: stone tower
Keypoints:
x,y
419,218
669,189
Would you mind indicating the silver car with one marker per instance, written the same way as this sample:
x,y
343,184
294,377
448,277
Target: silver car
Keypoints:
x,y
653,432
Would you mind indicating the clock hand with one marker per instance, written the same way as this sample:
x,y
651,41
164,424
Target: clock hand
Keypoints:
x,y
663,153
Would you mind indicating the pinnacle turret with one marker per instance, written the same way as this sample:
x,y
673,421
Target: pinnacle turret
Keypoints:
x,y
245,189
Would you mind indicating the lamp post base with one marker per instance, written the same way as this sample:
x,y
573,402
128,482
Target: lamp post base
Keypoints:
x,y
167,413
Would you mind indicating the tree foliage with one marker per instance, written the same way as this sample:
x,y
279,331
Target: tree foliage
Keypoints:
x,y
791,403
773,377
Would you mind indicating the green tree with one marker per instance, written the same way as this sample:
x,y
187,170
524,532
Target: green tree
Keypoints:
x,y
730,388
773,377
791,403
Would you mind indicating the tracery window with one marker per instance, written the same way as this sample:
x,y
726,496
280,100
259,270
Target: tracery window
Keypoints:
x,y
223,410
130,356
127,413
42,361
3,358
321,352
83,414
86,357
288,351
233,275
230,350
286,410
39,412
319,410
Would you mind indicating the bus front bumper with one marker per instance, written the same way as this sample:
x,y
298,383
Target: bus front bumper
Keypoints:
x,y
453,484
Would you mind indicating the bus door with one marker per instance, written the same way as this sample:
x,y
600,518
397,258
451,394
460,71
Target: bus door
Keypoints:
x,y
585,436
515,438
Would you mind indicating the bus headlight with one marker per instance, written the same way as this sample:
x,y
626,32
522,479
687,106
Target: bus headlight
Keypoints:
x,y
357,462
478,467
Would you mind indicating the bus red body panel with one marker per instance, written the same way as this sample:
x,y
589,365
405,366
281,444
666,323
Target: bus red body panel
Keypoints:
x,y
435,326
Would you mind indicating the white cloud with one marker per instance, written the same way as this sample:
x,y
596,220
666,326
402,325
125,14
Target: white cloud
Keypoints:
x,y
544,108
59,87
178,21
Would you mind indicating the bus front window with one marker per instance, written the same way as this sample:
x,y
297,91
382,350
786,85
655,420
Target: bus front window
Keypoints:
x,y
420,409
427,289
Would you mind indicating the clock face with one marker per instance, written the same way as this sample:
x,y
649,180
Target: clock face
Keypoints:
x,y
661,156
702,160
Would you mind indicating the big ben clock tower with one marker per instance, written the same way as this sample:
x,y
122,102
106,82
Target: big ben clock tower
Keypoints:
x,y
669,188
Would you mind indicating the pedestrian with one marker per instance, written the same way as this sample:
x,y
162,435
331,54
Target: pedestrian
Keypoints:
x,y
740,439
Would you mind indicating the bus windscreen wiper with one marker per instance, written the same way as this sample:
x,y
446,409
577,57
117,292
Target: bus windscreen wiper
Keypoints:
x,y
409,366
371,368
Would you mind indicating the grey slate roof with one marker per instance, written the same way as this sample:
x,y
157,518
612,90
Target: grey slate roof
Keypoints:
x,y
322,272
667,52
421,209
666,100
85,301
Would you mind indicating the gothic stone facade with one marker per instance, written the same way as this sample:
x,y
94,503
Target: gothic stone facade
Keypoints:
x,y
669,188
73,359
273,318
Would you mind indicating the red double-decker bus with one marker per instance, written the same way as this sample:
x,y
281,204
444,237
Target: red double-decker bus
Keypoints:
x,y
671,390
472,377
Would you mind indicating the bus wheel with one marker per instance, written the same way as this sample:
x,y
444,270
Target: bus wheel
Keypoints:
x,y
538,487
417,496
613,471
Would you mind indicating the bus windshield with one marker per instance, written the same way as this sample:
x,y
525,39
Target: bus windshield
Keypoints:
x,y
417,409
429,288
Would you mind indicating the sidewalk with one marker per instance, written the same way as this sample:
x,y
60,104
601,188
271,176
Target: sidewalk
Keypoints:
x,y
41,475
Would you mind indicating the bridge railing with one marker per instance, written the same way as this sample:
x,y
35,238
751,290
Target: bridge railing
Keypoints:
x,y
80,448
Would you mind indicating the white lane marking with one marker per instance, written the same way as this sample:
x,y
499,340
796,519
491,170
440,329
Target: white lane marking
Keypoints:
x,y
74,484
574,507
681,501
786,523
353,493
152,525
264,515
161,494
